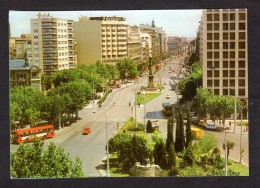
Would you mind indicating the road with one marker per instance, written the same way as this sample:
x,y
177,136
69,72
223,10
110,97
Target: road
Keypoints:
x,y
91,148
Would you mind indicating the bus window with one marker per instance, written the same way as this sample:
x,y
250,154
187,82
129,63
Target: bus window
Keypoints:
x,y
31,133
21,134
26,134
50,129
40,131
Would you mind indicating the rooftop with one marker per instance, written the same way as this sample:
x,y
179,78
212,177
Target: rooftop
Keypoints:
x,y
19,64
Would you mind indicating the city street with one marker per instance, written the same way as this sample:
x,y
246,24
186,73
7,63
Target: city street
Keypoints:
x,y
91,148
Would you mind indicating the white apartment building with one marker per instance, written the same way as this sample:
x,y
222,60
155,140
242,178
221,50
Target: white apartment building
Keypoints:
x,y
146,43
225,56
52,45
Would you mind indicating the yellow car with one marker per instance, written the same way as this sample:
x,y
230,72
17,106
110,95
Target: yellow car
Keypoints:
x,y
202,123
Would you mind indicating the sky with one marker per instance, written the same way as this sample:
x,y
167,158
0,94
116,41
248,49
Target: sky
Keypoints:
x,y
181,23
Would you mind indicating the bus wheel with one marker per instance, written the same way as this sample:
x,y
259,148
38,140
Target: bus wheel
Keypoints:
x,y
44,137
26,140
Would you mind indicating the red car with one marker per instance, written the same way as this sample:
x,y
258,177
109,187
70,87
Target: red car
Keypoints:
x,y
86,131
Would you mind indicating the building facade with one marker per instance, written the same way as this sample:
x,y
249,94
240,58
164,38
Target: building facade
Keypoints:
x,y
225,56
101,38
134,43
22,72
146,44
52,45
18,46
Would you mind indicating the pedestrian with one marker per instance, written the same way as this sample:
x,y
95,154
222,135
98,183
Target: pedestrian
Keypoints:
x,y
229,124
129,103
139,104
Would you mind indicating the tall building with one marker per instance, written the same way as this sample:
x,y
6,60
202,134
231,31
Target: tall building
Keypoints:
x,y
225,59
18,46
101,38
146,50
52,45
134,43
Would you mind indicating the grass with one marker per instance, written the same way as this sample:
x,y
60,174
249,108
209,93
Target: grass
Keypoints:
x,y
129,126
244,170
114,169
148,97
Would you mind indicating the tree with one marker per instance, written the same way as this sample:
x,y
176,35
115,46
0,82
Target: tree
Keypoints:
x,y
188,130
159,151
182,136
177,143
230,145
189,157
169,139
149,127
172,157
200,99
127,66
34,162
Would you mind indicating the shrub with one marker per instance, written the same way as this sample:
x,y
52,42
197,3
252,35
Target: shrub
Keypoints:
x,y
207,143
149,127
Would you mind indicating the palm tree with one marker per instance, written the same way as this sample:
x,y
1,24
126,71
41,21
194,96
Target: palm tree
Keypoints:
x,y
230,145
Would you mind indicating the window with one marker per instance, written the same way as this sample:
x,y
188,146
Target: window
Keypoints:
x,y
216,83
232,92
225,26
216,55
225,36
209,27
241,92
232,54
209,64
225,82
225,17
216,26
216,64
242,35
209,36
216,17
209,83
242,16
242,45
225,54
232,73
35,30
216,91
232,82
35,25
35,37
225,45
216,36
232,64
216,45
225,91
241,82
232,17
209,55
232,26
209,73
241,64
225,73
242,26
241,54
232,36
241,73
216,73
36,43
209,45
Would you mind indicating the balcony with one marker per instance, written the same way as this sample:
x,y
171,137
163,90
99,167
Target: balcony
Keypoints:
x,y
49,25
35,77
49,44
49,32
46,38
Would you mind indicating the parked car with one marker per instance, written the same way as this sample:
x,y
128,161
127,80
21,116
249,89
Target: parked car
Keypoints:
x,y
195,120
164,83
86,131
168,96
202,123
173,87
211,126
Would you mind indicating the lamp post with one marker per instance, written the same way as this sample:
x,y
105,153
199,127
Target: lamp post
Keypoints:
x,y
240,159
108,174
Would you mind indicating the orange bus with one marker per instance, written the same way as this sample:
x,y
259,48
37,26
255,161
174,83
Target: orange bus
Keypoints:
x,y
167,108
27,135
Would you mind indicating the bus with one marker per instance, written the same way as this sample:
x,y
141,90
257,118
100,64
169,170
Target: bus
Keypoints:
x,y
27,135
167,108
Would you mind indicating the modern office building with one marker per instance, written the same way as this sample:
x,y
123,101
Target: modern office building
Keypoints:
x,y
134,43
101,38
225,56
52,46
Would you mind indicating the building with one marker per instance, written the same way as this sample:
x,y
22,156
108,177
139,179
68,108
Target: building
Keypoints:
x,y
146,50
22,72
225,56
101,38
18,46
134,43
52,46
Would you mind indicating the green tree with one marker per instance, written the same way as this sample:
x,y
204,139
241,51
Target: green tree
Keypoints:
x,y
159,152
169,139
189,156
177,143
149,127
172,158
188,130
182,136
34,162
207,143
127,66
200,99
230,145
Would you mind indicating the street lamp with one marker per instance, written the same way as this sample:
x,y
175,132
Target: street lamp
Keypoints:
x,y
108,174
240,160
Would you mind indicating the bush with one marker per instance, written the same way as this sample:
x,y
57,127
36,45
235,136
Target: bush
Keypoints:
x,y
207,143
140,127
149,128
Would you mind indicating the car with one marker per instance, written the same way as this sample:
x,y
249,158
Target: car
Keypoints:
x,y
168,96
211,126
86,131
195,120
202,123
146,73
164,83
173,87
